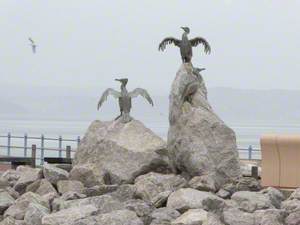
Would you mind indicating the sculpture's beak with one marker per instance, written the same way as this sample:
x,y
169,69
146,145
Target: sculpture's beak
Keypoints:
x,y
182,28
118,80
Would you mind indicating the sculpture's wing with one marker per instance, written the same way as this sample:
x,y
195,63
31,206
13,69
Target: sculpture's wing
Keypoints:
x,y
31,40
199,40
166,41
105,94
140,91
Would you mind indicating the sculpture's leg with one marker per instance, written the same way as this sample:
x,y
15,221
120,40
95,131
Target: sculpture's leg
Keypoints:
x,y
126,118
118,117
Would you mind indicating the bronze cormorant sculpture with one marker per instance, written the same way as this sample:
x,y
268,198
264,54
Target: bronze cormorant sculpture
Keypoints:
x,y
33,45
124,99
185,45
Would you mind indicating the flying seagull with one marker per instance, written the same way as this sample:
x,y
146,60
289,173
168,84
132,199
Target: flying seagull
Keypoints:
x,y
124,99
185,45
33,45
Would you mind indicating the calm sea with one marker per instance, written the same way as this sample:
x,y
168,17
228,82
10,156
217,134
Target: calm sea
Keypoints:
x,y
247,133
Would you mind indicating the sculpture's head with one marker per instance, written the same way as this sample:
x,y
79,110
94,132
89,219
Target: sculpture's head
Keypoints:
x,y
123,81
186,29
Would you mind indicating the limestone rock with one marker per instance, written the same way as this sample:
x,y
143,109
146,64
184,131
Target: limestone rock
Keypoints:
x,y
248,184
121,152
223,194
203,183
187,198
269,217
141,208
99,190
64,186
72,195
119,217
12,221
275,196
150,185
235,216
69,216
291,205
41,187
5,201
4,183
163,216
199,142
85,174
293,218
19,208
11,176
191,217
295,194
251,201
124,192
35,213
27,176
54,174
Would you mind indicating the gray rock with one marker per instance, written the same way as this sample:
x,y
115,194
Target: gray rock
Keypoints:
x,y
275,196
27,176
119,217
64,186
12,192
35,213
69,216
192,217
5,201
187,198
141,208
120,152
41,187
291,205
150,185
233,216
295,194
103,203
203,183
199,142
12,221
161,199
163,216
213,219
223,194
4,183
54,174
124,192
293,218
251,201
11,176
269,217
72,195
99,190
19,208
248,184
86,174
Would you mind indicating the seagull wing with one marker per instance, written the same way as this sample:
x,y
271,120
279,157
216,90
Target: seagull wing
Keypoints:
x,y
105,94
140,91
168,40
199,40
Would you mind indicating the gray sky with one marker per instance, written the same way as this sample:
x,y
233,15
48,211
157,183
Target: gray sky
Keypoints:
x,y
86,44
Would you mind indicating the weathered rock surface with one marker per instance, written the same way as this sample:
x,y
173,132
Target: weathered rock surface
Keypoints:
x,y
275,196
251,201
141,208
120,151
233,216
99,190
199,142
192,217
124,192
119,217
35,213
187,198
293,218
151,185
41,187
203,183
11,176
5,201
12,221
27,176
163,216
291,205
86,174
54,174
69,216
64,186
19,208
269,217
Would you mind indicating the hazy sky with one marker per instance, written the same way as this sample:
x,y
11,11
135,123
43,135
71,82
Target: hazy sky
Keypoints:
x,y
86,44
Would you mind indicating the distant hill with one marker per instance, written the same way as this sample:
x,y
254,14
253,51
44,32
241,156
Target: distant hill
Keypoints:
x,y
232,105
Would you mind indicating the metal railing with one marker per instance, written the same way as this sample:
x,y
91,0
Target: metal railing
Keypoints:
x,y
42,139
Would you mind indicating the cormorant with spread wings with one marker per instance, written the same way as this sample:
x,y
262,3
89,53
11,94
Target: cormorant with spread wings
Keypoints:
x,y
185,45
124,98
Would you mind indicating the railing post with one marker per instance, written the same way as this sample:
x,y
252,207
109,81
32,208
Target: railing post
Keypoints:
x,y
42,149
8,143
60,146
68,152
254,172
78,141
25,145
33,155
250,152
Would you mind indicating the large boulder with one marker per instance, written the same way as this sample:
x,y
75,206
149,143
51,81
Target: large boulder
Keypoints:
x,y
54,174
121,151
199,142
35,213
163,215
192,217
234,216
27,176
5,201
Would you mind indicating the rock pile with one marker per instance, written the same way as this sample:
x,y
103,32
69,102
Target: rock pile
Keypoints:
x,y
57,198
